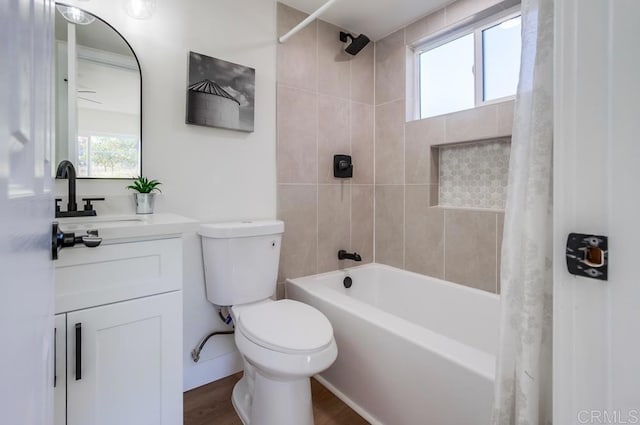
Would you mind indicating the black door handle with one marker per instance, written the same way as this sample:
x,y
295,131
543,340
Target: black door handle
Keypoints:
x,y
78,351
60,239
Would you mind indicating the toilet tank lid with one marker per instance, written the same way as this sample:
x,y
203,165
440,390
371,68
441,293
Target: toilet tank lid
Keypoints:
x,y
241,229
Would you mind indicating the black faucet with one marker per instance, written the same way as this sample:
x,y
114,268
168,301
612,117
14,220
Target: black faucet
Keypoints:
x,y
344,255
66,170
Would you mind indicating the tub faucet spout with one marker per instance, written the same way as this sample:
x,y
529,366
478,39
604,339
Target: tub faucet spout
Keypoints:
x,y
344,255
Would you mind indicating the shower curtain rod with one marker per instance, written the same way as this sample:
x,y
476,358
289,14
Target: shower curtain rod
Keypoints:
x,y
307,21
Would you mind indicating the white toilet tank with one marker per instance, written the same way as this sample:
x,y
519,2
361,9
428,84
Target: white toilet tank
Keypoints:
x,y
241,260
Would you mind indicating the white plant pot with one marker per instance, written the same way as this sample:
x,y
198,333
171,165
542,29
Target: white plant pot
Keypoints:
x,y
144,202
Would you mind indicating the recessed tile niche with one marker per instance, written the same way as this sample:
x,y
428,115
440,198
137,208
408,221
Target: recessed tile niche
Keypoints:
x,y
473,175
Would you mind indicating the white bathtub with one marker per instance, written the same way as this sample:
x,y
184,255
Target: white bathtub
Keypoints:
x,y
412,350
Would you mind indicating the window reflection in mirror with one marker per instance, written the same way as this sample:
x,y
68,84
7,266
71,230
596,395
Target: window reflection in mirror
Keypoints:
x,y
98,100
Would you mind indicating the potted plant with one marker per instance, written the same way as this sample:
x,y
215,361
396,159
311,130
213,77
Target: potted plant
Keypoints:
x,y
144,196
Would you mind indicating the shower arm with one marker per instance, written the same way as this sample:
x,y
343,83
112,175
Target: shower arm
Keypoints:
x,y
306,21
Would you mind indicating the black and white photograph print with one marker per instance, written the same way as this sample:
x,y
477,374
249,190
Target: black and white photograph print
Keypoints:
x,y
220,93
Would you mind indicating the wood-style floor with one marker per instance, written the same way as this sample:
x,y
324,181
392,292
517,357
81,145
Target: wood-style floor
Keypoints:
x,y
211,405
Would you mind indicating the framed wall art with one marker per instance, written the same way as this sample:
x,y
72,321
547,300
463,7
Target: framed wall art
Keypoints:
x,y
220,93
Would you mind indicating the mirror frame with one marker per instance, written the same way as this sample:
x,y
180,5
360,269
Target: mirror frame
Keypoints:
x,y
140,74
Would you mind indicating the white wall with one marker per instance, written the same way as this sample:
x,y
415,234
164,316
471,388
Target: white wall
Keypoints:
x,y
208,174
92,121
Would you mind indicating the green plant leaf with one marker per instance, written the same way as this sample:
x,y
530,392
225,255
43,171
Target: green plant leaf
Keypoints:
x,y
144,185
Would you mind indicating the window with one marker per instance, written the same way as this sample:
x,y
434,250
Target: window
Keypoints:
x,y
108,155
476,65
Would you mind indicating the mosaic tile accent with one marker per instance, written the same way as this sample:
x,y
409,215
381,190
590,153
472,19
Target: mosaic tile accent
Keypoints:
x,y
474,175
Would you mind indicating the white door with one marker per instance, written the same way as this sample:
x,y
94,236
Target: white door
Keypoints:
x,y
121,363
26,212
597,191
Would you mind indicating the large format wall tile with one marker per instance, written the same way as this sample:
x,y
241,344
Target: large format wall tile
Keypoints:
x,y
460,245
362,221
297,141
389,225
389,158
333,62
333,135
505,117
362,122
297,58
325,107
470,248
390,68
499,236
424,239
362,81
472,124
298,208
333,224
420,135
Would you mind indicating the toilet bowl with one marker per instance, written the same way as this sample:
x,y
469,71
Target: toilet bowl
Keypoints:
x,y
282,343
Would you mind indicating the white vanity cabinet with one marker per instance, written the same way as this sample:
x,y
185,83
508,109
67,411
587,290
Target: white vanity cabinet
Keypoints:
x,y
119,333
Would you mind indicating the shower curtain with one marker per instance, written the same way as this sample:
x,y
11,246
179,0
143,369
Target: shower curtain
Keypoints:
x,y
522,393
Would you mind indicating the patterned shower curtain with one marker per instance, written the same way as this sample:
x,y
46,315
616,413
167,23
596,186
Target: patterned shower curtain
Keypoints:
x,y
522,394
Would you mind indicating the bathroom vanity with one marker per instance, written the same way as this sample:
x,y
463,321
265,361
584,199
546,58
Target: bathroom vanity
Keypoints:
x,y
118,323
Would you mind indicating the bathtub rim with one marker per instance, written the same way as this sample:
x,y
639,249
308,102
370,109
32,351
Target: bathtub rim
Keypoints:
x,y
456,286
468,357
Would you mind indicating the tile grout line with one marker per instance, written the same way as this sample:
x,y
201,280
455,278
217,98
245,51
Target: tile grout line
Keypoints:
x,y
390,101
351,247
404,153
404,225
317,148
319,93
496,232
375,114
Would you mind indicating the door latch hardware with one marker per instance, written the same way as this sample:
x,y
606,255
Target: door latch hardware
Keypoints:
x,y
60,239
588,255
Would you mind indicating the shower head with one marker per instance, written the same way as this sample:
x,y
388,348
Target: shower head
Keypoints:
x,y
357,43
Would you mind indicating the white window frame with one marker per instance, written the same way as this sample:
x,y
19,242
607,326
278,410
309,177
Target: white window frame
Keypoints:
x,y
89,135
476,28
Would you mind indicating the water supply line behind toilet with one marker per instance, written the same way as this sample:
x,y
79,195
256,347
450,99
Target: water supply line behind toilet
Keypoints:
x,y
195,353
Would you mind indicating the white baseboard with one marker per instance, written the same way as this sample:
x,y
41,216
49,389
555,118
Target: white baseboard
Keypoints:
x,y
212,370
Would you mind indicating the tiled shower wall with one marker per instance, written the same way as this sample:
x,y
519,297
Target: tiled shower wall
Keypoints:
x,y
324,107
457,244
328,103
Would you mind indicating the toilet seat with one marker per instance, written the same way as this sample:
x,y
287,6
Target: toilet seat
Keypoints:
x,y
286,326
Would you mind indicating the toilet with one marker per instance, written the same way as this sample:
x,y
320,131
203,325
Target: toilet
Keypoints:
x,y
282,343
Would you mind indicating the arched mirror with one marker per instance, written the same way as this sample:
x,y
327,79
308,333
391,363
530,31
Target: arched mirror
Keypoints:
x,y
98,97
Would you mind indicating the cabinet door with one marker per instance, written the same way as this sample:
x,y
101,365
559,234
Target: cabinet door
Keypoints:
x,y
60,370
124,363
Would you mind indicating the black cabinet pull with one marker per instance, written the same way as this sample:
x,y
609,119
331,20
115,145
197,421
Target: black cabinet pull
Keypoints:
x,y
55,356
78,351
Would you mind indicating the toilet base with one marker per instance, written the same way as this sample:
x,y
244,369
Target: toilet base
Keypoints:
x,y
241,400
263,400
